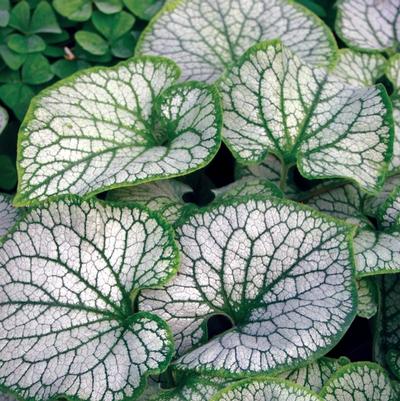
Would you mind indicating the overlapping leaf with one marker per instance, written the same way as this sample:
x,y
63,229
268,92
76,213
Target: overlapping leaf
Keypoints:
x,y
8,214
369,24
359,381
273,102
267,390
70,272
110,127
164,197
314,375
205,36
281,273
367,297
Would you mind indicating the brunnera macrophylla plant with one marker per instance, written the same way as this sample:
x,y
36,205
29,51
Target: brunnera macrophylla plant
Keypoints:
x,y
113,299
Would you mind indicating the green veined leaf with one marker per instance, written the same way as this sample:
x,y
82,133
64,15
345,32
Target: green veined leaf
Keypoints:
x,y
395,163
314,375
328,128
44,19
25,44
269,169
267,389
192,388
75,10
359,381
271,266
396,387
247,186
165,197
113,26
393,360
69,273
3,119
393,70
389,211
369,25
20,17
205,37
4,13
91,42
109,6
359,68
387,330
110,127
367,297
8,214
345,202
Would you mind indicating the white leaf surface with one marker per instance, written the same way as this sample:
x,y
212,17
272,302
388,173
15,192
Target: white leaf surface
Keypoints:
x,y
109,127
69,274
270,266
8,214
274,102
369,24
204,37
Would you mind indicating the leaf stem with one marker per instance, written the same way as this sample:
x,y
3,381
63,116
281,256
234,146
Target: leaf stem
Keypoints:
x,y
284,175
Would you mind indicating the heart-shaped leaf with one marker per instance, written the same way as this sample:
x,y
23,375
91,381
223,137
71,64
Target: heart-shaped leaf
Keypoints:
x,y
165,197
110,127
280,272
359,381
75,10
3,119
273,102
205,37
376,250
314,375
387,328
369,25
267,389
70,272
8,214
144,9
359,68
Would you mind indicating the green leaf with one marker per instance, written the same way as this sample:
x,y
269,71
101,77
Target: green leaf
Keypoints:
x,y
124,46
314,375
165,197
314,7
247,186
369,25
144,9
267,389
74,267
65,68
273,102
269,169
75,10
4,13
20,17
387,325
367,297
205,37
8,173
109,6
3,119
8,215
26,44
36,70
12,59
44,19
359,381
111,127
17,97
113,26
359,68
92,42
393,360
191,388
280,272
